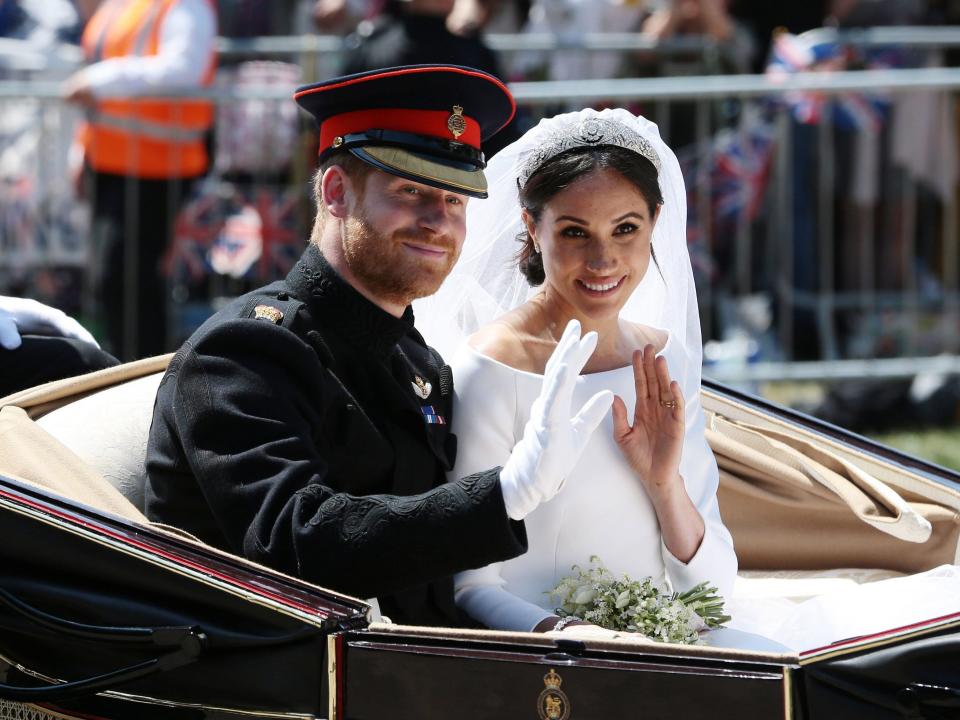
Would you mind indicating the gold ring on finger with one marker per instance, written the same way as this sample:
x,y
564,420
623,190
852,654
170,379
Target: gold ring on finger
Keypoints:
x,y
668,403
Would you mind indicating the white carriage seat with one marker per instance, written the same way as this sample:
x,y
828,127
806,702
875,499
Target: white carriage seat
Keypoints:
x,y
108,430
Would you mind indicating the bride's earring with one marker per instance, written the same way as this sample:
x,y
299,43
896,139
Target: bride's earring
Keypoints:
x,y
536,248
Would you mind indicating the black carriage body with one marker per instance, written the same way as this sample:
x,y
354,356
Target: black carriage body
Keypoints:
x,y
84,594
418,676
404,673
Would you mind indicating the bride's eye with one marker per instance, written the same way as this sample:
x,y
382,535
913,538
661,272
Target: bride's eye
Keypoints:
x,y
625,233
573,231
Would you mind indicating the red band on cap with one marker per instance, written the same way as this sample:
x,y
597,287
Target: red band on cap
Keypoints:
x,y
432,123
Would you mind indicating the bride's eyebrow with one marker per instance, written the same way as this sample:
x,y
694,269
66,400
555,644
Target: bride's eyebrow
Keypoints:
x,y
620,219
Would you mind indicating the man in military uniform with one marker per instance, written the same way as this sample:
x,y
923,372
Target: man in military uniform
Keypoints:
x,y
307,425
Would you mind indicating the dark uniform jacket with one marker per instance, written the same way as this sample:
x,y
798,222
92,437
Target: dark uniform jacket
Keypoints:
x,y
307,429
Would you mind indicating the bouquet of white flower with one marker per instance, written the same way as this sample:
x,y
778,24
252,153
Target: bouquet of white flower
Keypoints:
x,y
596,596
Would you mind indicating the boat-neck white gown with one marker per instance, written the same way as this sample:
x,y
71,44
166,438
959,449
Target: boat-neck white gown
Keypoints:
x,y
602,508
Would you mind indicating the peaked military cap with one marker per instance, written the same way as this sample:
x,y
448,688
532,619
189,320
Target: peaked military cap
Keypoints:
x,y
422,122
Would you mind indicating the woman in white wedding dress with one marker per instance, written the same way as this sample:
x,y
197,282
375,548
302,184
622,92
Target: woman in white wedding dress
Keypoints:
x,y
601,211
598,203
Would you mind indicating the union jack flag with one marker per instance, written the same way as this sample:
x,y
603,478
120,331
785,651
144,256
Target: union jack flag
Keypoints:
x,y
814,51
242,232
283,243
740,168
195,230
731,169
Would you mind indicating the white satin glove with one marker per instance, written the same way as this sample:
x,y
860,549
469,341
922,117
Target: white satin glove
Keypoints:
x,y
19,316
553,438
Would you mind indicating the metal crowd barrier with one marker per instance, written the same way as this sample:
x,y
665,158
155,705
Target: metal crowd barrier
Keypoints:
x,y
773,281
904,36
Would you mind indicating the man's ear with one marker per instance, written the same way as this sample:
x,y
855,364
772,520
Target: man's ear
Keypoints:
x,y
336,191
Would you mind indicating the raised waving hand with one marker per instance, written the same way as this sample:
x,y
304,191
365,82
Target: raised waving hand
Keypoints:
x,y
554,436
653,442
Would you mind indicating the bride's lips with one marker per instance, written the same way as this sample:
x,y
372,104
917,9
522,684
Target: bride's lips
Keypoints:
x,y
602,287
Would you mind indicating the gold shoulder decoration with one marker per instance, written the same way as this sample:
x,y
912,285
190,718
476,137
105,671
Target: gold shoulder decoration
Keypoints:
x,y
268,312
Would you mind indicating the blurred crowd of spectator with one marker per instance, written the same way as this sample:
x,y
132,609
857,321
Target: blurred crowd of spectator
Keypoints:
x,y
392,31
245,222
392,26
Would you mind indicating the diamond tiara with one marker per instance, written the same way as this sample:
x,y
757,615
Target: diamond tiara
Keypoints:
x,y
590,132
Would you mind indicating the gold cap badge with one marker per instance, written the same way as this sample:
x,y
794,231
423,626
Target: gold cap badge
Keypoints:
x,y
456,123
268,312
553,703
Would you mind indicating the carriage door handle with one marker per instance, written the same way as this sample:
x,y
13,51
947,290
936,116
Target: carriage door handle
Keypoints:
x,y
186,644
912,699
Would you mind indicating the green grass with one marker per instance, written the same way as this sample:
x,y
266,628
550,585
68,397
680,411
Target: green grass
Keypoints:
x,y
940,446
937,445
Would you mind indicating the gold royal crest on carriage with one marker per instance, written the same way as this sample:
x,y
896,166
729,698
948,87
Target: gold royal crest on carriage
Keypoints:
x,y
553,703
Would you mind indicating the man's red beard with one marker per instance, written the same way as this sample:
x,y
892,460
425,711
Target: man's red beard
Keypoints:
x,y
389,271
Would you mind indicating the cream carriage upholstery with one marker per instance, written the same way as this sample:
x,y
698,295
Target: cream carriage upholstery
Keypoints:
x,y
108,430
795,499
85,437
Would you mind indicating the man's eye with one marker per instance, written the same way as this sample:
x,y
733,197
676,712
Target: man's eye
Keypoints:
x,y
454,200
411,190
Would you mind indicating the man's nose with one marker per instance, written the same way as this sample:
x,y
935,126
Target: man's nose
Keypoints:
x,y
435,215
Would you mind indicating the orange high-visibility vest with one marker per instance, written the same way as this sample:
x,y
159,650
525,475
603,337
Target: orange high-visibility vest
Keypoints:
x,y
142,138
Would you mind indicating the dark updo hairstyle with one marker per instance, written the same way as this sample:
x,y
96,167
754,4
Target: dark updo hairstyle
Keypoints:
x,y
561,171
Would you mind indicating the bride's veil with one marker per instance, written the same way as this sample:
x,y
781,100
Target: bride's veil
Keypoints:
x,y
486,282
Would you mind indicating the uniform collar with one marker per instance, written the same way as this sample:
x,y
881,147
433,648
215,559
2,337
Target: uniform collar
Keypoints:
x,y
339,306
